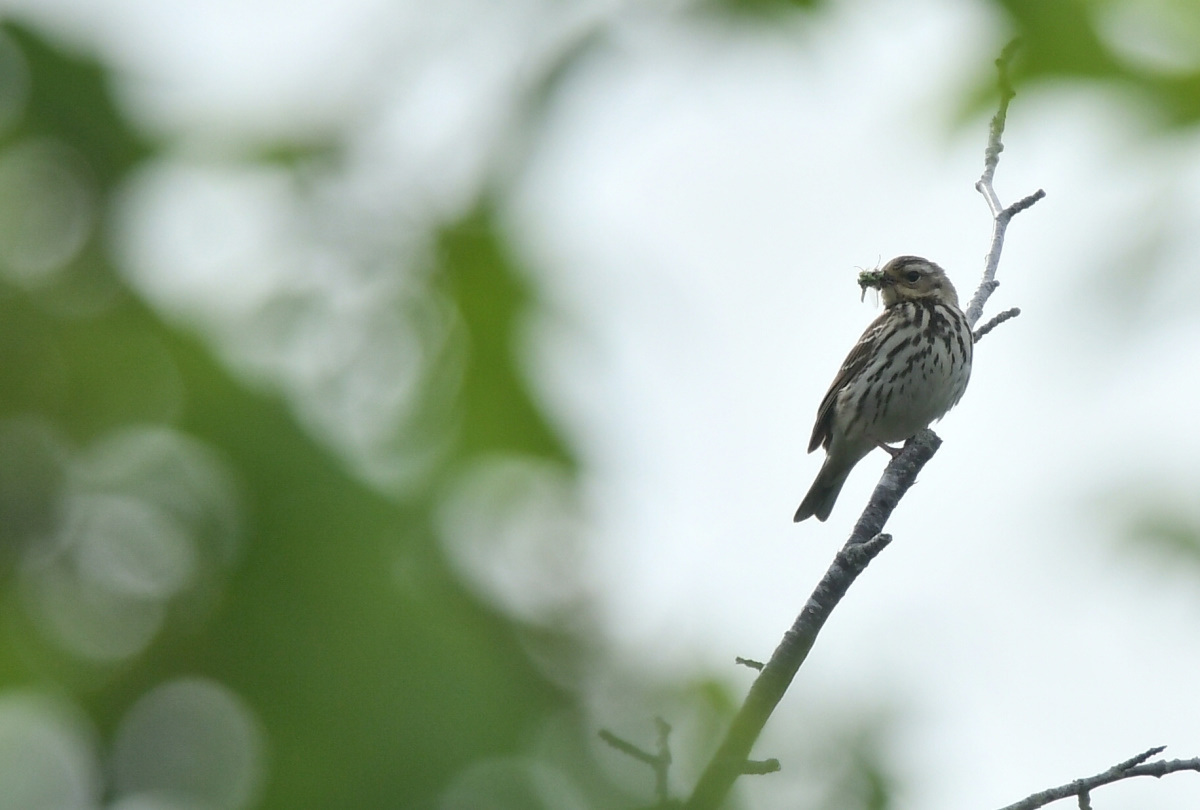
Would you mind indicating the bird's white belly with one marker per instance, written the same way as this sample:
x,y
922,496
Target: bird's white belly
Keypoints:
x,y
898,408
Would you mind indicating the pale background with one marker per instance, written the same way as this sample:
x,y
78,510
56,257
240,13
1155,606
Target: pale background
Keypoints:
x,y
695,210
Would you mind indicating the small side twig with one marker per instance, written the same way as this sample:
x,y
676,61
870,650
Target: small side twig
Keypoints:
x,y
1001,215
1082,788
660,763
758,767
1006,315
748,662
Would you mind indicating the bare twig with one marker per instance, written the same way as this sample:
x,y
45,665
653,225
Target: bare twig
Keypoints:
x,y
865,542
991,155
758,767
1082,788
660,763
748,662
627,748
1000,214
1006,315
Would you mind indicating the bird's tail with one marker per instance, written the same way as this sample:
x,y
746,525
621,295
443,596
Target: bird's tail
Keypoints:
x,y
824,492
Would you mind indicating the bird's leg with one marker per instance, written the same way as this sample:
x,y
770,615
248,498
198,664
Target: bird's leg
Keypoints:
x,y
891,451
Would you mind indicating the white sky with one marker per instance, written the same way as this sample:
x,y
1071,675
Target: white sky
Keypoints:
x,y
697,209
712,197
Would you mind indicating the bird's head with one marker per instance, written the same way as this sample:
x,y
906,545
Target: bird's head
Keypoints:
x,y
910,278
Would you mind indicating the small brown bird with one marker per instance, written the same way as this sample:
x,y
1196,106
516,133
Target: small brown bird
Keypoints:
x,y
908,369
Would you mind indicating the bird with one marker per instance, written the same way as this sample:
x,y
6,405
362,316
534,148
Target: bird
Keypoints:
x,y
908,369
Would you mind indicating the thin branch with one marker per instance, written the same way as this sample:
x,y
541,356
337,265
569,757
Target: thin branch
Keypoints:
x,y
627,748
660,763
865,542
1082,788
991,155
1006,315
1001,215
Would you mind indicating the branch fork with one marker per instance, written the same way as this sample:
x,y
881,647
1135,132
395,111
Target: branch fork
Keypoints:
x,y
1082,788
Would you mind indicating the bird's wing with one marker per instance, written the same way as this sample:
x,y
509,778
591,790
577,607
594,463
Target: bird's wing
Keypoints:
x,y
854,363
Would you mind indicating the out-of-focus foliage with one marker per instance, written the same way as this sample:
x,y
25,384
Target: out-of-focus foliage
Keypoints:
x,y
230,616
499,415
1151,49
863,774
754,8
67,99
1170,529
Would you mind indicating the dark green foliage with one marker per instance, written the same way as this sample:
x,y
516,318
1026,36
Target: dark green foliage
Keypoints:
x,y
498,412
69,99
376,674
1061,40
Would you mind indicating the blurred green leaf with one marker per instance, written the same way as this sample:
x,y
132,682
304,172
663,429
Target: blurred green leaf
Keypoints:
x,y
69,100
1167,530
760,8
1061,40
499,414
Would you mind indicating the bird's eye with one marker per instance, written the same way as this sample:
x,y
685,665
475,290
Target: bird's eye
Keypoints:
x,y
912,276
